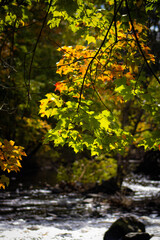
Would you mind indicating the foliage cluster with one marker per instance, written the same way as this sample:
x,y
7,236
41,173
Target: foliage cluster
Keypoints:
x,y
113,72
24,44
10,157
107,100
104,96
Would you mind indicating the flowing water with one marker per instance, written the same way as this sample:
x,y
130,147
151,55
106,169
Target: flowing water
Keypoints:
x,y
37,213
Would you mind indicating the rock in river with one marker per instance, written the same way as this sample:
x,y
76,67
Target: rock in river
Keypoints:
x,y
123,226
137,236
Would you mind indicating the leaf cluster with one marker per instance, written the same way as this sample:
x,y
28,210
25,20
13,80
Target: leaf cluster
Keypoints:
x,y
10,157
104,101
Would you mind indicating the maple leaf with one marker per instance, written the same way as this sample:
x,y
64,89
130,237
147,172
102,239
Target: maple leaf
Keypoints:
x,y
90,39
60,86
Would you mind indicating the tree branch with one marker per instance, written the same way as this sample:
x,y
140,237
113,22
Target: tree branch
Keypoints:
x,y
115,21
103,42
35,47
138,43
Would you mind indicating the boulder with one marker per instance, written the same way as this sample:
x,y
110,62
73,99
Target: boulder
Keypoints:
x,y
123,226
137,236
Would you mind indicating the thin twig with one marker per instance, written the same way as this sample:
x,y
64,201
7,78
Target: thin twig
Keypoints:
x,y
101,99
7,65
138,43
62,65
115,21
35,47
103,42
139,74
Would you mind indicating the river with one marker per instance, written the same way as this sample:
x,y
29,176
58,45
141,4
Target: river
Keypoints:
x,y
37,213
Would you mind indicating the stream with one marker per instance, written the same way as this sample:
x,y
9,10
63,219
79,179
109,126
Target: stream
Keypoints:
x,y
36,213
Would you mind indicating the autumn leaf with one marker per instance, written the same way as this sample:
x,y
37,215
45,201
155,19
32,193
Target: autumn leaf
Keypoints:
x,y
60,86
90,39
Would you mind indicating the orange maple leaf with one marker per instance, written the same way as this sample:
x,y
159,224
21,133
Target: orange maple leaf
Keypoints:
x,y
60,86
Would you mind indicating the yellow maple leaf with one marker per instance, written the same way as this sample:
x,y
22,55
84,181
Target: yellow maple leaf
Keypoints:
x,y
90,39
